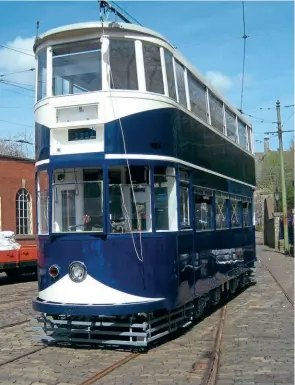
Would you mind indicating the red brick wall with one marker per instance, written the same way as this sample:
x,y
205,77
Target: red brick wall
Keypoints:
x,y
14,175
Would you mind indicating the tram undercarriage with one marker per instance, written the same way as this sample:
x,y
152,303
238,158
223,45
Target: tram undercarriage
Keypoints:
x,y
138,330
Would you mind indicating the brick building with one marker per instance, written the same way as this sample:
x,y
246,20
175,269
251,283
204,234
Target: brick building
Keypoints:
x,y
17,198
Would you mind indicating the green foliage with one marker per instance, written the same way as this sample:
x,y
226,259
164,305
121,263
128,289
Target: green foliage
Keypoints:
x,y
269,177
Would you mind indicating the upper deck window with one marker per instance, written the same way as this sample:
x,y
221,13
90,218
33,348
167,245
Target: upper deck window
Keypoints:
x,y
76,68
231,128
123,74
152,68
42,71
216,112
242,134
170,74
179,69
197,92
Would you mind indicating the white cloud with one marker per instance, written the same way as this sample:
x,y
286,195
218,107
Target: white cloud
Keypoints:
x,y
219,80
12,61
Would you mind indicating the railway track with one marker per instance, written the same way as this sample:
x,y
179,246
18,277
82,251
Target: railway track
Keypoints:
x,y
15,324
290,300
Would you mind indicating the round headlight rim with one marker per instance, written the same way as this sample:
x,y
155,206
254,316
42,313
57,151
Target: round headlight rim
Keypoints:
x,y
57,270
85,271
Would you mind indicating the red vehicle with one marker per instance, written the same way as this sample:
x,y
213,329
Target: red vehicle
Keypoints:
x,y
16,259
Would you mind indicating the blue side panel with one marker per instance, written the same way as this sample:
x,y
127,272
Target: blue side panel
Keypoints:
x,y
171,132
113,262
42,142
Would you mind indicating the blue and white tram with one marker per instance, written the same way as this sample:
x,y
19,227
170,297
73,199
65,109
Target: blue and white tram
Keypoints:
x,y
144,177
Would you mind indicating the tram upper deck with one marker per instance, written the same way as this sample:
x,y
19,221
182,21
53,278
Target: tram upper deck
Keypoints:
x,y
92,73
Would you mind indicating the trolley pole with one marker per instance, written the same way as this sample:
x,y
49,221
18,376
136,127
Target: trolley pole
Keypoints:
x,y
284,198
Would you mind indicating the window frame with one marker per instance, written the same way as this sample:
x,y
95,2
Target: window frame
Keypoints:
x,y
26,198
225,197
69,186
71,85
201,191
184,184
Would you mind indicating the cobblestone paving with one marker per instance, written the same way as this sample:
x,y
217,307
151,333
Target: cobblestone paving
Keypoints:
x,y
257,346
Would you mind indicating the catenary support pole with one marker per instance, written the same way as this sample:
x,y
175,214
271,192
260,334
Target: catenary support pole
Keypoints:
x,y
284,198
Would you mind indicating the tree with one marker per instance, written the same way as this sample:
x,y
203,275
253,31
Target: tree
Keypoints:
x,y
11,147
269,178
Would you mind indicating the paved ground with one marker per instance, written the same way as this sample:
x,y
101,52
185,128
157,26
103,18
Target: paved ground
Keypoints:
x,y
257,346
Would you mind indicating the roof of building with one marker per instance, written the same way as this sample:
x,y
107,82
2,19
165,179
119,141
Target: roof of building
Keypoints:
x,y
16,158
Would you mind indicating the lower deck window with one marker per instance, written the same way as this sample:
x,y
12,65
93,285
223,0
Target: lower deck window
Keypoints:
x,y
43,202
203,210
221,211
77,200
130,205
236,213
246,214
165,199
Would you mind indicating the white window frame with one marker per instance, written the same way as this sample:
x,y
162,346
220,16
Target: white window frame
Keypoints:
x,y
23,196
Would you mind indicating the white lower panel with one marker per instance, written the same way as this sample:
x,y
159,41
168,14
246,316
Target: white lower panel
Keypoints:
x,y
90,291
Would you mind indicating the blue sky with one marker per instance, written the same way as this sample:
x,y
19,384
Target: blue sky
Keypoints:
x,y
207,33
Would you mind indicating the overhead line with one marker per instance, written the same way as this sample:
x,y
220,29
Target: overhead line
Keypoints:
x,y
17,124
17,72
127,13
16,50
15,85
244,55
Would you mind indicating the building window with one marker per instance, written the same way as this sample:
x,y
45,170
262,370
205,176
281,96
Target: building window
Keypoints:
x,y
77,196
123,74
130,204
42,71
184,200
152,68
43,202
23,212
76,68
203,209
165,199
179,69
170,74
236,220
221,210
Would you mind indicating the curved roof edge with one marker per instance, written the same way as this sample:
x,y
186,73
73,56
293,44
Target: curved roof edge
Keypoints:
x,y
72,29
95,25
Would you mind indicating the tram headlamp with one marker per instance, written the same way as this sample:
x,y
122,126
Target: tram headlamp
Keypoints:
x,y
77,271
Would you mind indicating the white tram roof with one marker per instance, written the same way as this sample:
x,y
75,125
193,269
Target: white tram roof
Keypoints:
x,y
77,30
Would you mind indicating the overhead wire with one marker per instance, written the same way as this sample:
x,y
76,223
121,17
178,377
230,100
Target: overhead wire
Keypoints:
x,y
244,55
17,72
17,124
140,258
117,5
15,85
16,50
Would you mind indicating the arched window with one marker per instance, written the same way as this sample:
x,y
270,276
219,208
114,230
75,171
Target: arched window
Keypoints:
x,y
23,212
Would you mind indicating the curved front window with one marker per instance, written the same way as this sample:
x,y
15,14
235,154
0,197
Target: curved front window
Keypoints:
x,y
43,202
76,68
77,200
42,74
